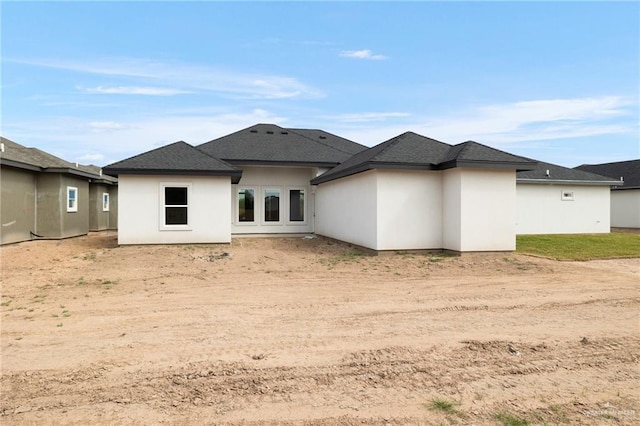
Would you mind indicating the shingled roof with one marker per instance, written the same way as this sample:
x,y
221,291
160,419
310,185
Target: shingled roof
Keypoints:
x,y
629,171
272,144
416,152
553,173
34,159
178,158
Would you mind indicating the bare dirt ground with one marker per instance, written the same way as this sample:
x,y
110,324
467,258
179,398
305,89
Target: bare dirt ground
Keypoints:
x,y
308,331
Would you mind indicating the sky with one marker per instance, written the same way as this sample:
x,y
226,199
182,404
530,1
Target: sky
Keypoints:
x,y
98,82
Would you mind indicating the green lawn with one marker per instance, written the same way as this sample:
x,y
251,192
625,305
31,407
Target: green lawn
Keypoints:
x,y
580,247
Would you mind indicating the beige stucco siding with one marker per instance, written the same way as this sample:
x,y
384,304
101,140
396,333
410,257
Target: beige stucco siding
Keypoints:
x,y
409,209
346,209
625,208
140,215
98,218
52,218
541,209
17,205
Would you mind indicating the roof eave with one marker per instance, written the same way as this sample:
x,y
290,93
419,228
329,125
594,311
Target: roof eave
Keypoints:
x,y
281,163
517,165
20,165
371,165
568,181
234,175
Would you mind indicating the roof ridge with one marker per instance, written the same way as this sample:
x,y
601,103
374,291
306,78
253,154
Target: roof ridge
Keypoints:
x,y
391,142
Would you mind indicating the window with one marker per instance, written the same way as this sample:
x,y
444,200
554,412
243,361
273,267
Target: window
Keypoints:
x,y
176,205
72,199
567,196
105,201
272,205
246,207
296,205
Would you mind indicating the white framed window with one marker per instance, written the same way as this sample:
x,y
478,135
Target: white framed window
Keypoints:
x,y
174,206
246,206
72,199
296,198
567,196
105,201
272,206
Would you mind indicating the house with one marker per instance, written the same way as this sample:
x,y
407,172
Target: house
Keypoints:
x,y
410,192
552,199
625,194
254,181
43,196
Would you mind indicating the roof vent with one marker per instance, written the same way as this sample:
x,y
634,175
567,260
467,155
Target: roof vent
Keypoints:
x,y
322,137
269,132
76,165
284,133
547,173
253,131
1,147
621,177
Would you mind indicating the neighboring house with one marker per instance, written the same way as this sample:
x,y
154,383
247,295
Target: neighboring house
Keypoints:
x,y
43,196
410,192
552,199
625,194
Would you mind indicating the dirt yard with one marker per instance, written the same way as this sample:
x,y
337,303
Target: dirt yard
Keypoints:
x,y
309,331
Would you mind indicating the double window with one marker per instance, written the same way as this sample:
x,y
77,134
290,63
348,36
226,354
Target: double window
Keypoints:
x,y
175,206
72,199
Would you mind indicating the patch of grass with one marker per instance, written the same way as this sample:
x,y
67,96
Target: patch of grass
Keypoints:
x,y
580,247
508,419
442,405
90,256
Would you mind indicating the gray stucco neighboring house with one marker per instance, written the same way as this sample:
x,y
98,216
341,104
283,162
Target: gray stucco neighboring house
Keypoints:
x,y
44,196
625,193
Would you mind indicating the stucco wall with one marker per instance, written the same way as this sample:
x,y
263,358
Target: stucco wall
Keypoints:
x,y
284,179
452,209
409,206
52,218
98,219
541,209
139,215
625,208
17,205
113,207
487,215
346,209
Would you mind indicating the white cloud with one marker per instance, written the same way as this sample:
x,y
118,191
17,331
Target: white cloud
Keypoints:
x,y
364,117
508,123
362,54
133,90
186,78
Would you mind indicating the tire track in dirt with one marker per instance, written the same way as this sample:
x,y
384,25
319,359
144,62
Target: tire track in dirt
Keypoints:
x,y
228,387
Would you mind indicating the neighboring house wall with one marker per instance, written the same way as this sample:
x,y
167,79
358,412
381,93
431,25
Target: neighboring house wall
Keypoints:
x,y
409,210
113,207
283,180
141,210
625,208
346,209
479,209
17,206
98,217
53,220
545,209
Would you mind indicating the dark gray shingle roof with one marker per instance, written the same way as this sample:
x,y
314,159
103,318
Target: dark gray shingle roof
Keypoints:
x,y
628,170
174,159
561,174
34,159
271,144
413,151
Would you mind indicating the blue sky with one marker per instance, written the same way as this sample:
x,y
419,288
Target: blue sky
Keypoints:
x,y
97,82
